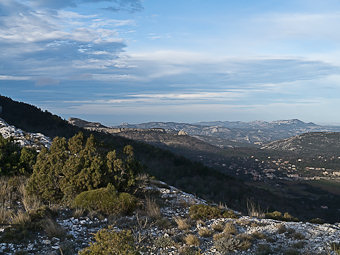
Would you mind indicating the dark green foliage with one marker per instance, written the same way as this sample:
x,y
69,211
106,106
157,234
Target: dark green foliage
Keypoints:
x,y
263,249
317,221
291,251
229,214
278,216
27,160
206,212
44,182
15,160
83,170
108,241
106,200
122,172
78,165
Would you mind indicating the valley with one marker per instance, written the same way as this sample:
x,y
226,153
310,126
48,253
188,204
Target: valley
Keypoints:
x,y
296,168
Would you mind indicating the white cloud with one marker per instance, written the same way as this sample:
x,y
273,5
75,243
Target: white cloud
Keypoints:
x,y
40,42
14,78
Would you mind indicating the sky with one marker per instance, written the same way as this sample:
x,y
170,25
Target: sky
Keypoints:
x,y
116,61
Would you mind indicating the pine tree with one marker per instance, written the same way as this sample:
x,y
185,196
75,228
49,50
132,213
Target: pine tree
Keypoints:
x,y
44,182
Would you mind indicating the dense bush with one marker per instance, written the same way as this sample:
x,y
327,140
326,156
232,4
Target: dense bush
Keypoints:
x,y
279,216
206,212
77,165
227,244
108,241
106,200
317,221
15,160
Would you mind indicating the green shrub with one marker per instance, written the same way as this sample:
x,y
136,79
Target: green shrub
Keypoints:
x,y
263,249
207,212
291,251
15,160
276,215
227,244
229,214
258,235
108,241
189,250
205,232
317,221
204,212
77,165
106,200
164,242
299,245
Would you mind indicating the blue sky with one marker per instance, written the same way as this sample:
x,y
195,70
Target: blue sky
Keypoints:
x,y
134,61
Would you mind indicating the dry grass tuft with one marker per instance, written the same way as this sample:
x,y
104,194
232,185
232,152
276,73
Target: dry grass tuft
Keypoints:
x,y
243,222
152,209
192,240
4,191
299,236
245,236
5,215
21,218
205,232
182,224
220,235
258,235
254,210
53,229
200,223
79,212
230,229
31,203
218,226
281,229
246,241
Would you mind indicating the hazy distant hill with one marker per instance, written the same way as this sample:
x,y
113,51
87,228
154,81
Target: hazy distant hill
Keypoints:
x,y
83,123
237,133
242,162
323,143
177,142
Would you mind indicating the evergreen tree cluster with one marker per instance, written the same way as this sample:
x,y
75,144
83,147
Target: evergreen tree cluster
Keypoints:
x,y
15,160
75,165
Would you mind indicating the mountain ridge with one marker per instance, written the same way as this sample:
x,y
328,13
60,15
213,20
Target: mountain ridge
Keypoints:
x,y
237,133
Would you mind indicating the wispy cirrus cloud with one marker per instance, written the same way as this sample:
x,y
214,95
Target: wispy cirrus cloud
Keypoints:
x,y
115,5
43,43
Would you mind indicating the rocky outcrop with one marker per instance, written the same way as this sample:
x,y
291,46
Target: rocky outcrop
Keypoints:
x,y
34,140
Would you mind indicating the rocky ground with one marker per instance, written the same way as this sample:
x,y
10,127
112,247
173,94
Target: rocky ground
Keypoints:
x,y
171,231
35,140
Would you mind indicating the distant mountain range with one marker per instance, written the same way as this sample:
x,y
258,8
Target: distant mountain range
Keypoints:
x,y
168,139
323,143
237,133
282,136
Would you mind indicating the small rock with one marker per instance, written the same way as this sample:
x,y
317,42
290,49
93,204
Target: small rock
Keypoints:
x,y
47,242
